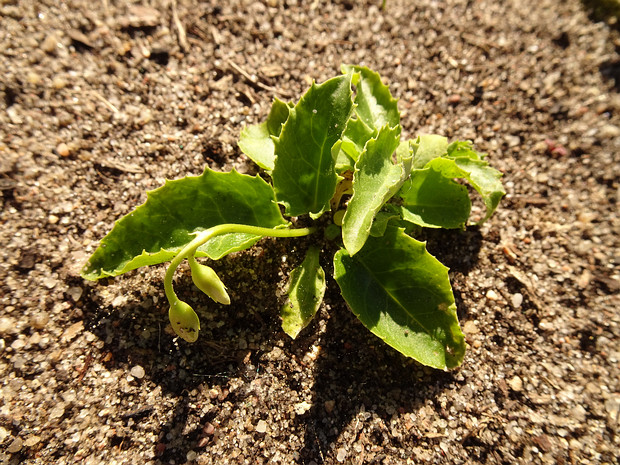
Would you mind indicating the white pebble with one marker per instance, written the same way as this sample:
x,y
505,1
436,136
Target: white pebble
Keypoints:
x,y
75,293
6,325
517,300
137,372
302,407
492,295
18,344
261,426
516,384
57,411
32,441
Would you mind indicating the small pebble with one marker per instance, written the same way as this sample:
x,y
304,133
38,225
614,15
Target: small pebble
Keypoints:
x,y
137,372
261,426
341,455
75,293
191,456
146,116
50,43
517,300
73,331
50,282
15,446
32,441
39,320
578,413
545,325
302,407
513,141
470,327
63,150
329,405
516,384
57,411
208,429
59,83
492,295
609,131
6,325
18,344
612,407
33,78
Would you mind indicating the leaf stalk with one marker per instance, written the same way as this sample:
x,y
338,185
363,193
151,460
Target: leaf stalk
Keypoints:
x,y
190,249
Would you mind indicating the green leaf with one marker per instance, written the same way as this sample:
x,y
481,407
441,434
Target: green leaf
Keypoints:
x,y
375,181
433,201
382,220
277,116
402,294
404,151
304,175
157,230
343,161
354,139
483,178
375,105
374,108
305,294
428,147
256,140
463,149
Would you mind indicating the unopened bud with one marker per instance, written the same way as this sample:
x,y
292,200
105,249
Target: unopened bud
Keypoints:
x,y
207,280
184,321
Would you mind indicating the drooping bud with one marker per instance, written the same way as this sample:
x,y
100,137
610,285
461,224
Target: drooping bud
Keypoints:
x,y
184,320
207,280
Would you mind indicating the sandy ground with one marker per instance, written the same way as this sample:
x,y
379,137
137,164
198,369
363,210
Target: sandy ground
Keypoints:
x,y
101,101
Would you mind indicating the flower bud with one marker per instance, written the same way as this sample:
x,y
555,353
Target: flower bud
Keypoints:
x,y
184,321
208,282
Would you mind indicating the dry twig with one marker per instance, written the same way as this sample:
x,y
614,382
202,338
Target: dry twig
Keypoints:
x,y
180,29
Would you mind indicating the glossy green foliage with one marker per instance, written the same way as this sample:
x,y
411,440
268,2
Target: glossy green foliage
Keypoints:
x,y
402,294
434,201
430,198
256,141
157,230
304,174
377,178
374,108
337,150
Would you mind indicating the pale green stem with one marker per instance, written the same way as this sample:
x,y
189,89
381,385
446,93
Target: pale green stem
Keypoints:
x,y
190,249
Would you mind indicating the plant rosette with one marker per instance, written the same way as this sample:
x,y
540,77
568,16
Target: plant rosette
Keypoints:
x,y
336,152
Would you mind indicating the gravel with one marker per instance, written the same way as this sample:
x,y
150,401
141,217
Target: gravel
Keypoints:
x,y
101,101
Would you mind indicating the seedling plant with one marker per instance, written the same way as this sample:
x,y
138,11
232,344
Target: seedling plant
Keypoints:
x,y
335,160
